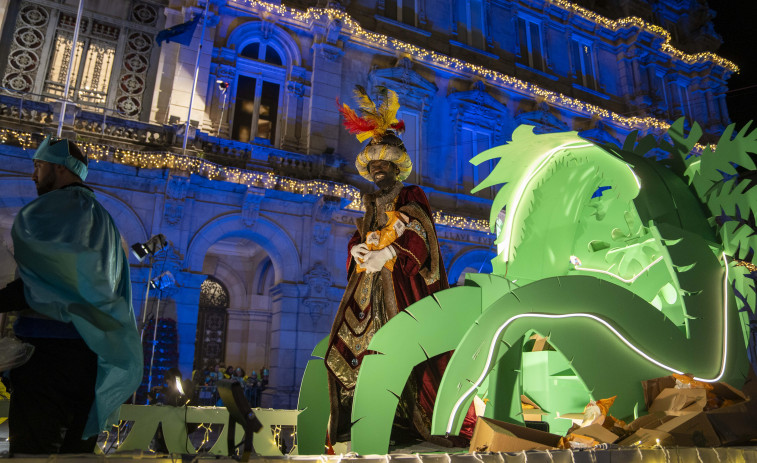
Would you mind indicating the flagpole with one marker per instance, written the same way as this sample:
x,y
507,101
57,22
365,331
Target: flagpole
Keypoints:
x,y
70,68
194,82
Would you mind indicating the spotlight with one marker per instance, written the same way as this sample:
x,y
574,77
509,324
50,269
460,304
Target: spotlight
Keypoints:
x,y
151,246
163,281
222,85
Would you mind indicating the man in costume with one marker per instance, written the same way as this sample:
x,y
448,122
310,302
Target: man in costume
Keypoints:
x,y
74,293
393,261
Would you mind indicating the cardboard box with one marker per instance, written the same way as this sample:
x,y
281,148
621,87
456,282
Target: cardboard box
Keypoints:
x,y
531,411
597,432
734,424
653,387
497,436
679,401
691,430
727,392
650,421
540,343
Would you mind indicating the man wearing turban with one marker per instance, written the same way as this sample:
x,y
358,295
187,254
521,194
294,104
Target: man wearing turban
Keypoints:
x,y
393,261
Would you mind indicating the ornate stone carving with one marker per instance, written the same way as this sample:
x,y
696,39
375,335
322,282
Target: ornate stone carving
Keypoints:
x,y
414,91
295,88
329,52
25,47
318,280
144,13
133,74
323,212
542,119
226,72
478,108
251,205
173,213
176,193
177,187
333,30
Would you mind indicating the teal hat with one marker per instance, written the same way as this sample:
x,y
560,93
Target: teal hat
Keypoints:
x,y
57,153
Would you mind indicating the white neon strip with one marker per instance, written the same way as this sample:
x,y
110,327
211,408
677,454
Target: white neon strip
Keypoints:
x,y
618,277
638,182
495,341
725,326
521,188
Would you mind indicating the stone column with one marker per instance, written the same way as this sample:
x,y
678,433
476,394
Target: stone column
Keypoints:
x,y
325,88
292,124
283,388
187,306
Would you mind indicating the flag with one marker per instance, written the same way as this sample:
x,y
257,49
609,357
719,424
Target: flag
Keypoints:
x,y
181,33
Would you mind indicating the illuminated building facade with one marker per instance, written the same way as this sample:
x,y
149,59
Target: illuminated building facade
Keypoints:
x,y
264,199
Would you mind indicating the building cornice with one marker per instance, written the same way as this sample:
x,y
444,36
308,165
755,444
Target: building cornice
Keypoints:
x,y
438,60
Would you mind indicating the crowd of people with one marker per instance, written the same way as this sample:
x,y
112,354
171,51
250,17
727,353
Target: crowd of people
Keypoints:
x,y
252,383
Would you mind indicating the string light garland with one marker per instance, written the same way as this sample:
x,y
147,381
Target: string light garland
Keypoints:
x,y
634,21
553,98
23,139
212,171
743,263
464,223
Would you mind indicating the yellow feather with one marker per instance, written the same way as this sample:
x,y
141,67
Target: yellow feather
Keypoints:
x,y
366,105
388,109
363,136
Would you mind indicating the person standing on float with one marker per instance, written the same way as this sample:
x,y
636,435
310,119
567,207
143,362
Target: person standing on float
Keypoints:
x,y
393,261
74,293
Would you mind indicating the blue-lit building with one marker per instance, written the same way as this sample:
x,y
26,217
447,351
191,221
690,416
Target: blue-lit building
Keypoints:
x,y
261,204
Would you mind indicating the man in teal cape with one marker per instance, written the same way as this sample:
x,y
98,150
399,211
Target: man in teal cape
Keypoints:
x,y
75,293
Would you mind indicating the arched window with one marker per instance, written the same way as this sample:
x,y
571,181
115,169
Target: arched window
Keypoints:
x,y
211,323
262,52
261,74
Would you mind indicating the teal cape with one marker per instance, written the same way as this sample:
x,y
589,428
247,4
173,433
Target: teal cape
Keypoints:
x,y
74,269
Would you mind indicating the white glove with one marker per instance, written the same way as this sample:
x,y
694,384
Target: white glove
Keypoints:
x,y
375,260
359,252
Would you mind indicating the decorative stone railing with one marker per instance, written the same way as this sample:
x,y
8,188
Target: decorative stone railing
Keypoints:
x,y
24,111
112,127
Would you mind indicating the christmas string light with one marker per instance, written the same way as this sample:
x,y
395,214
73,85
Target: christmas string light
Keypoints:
x,y
634,21
464,223
266,180
554,98
24,139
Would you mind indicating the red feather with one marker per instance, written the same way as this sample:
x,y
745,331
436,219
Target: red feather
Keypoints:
x,y
353,122
399,127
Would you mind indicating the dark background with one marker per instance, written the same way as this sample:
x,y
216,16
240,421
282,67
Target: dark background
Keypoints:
x,y
736,22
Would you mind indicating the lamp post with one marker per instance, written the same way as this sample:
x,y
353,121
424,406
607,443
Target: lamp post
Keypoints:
x,y
194,82
70,67
140,251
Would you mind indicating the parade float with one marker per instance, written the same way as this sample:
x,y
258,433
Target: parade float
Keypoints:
x,y
624,263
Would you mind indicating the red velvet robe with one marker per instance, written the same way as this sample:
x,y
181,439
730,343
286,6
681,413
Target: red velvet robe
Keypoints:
x,y
370,300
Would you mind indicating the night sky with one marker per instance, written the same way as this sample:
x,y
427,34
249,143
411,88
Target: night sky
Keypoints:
x,y
736,22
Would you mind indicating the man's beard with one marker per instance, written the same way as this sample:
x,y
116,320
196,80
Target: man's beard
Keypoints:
x,y
386,183
46,185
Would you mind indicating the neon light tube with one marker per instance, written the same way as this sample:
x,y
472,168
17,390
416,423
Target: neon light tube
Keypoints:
x,y
495,341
